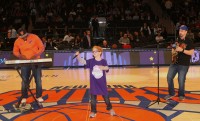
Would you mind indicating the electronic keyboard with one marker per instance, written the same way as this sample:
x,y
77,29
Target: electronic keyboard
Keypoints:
x,y
33,61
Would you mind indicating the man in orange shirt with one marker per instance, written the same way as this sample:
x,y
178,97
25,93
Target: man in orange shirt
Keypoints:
x,y
29,46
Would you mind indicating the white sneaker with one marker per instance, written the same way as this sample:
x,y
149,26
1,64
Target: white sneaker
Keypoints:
x,y
112,112
92,115
40,99
23,100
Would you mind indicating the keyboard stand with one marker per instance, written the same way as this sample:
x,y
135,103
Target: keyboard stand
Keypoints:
x,y
28,89
34,63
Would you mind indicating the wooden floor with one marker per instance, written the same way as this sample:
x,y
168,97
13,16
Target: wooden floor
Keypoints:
x,y
118,77
137,76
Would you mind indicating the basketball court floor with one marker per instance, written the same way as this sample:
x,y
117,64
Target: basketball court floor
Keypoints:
x,y
131,90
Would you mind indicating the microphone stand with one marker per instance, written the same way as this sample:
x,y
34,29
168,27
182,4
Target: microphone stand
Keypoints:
x,y
158,81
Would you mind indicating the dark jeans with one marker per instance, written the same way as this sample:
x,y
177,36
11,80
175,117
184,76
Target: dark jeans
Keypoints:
x,y
26,73
94,101
182,71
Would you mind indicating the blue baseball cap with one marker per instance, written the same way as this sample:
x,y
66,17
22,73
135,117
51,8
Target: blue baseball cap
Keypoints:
x,y
183,27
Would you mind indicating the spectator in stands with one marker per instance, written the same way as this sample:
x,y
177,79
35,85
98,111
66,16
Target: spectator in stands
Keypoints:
x,y
87,42
57,19
136,40
33,15
9,40
114,46
68,37
55,34
146,30
73,13
50,45
77,42
125,41
49,33
13,32
159,38
144,40
70,20
82,10
164,32
105,44
157,29
136,16
95,26
79,21
129,17
49,16
129,35
168,6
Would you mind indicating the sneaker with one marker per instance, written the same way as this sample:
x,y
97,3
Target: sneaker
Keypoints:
x,y
112,112
92,115
168,97
181,98
23,100
40,100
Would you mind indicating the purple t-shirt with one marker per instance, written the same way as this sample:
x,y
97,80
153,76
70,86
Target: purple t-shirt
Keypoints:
x,y
98,84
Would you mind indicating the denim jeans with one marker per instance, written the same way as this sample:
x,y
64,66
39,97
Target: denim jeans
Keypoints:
x,y
182,71
94,101
26,73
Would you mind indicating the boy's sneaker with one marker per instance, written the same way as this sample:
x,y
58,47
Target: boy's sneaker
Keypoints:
x,y
40,100
92,115
112,112
181,98
168,97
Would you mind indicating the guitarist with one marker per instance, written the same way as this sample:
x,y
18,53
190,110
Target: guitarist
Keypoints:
x,y
180,63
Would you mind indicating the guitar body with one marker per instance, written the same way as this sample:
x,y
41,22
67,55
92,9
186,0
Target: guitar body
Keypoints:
x,y
175,53
174,56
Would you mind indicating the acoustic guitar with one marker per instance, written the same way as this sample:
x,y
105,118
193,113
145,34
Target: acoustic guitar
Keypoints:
x,y
175,53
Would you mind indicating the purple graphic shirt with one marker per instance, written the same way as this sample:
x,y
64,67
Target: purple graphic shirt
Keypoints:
x,y
98,84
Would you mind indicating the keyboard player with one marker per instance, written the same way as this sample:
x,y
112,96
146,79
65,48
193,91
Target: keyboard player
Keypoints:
x,y
29,46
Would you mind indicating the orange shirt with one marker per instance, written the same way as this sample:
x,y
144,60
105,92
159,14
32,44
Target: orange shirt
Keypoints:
x,y
33,46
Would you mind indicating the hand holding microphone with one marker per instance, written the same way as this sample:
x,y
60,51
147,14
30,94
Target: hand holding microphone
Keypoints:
x,y
81,60
174,46
76,54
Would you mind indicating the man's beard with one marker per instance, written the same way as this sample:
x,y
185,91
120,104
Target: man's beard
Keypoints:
x,y
180,35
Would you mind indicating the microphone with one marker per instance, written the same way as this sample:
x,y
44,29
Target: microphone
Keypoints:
x,y
174,46
74,57
80,51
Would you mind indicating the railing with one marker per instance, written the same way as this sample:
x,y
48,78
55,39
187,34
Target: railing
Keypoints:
x,y
114,57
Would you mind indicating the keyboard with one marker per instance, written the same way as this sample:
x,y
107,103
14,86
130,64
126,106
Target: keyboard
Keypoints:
x,y
33,61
